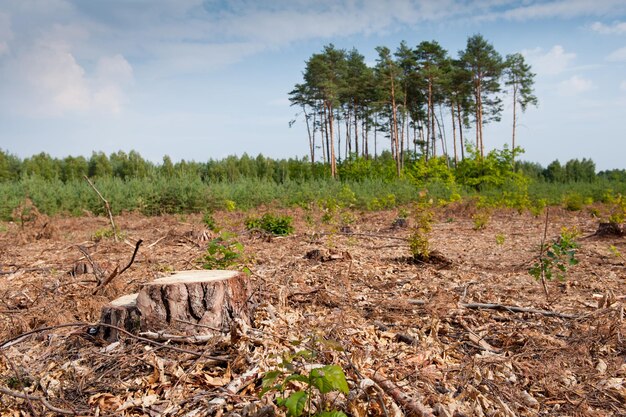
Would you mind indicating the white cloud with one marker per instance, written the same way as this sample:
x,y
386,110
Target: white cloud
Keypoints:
x,y
617,28
622,85
553,62
575,85
619,55
46,79
564,9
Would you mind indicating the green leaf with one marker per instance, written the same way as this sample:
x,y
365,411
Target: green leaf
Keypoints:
x,y
329,378
297,377
295,403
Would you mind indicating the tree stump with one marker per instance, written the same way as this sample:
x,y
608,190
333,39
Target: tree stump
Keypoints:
x,y
186,303
121,312
610,229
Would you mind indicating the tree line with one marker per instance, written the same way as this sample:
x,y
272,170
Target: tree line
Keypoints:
x,y
408,98
132,165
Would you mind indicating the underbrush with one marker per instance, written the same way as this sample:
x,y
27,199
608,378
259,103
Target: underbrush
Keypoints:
x,y
189,194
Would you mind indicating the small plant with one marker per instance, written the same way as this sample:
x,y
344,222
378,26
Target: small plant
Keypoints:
x,y
304,393
230,205
274,224
555,258
224,252
500,238
618,210
418,240
209,221
480,219
615,252
104,233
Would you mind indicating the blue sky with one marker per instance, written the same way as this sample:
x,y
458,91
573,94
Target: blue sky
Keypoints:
x,y
205,79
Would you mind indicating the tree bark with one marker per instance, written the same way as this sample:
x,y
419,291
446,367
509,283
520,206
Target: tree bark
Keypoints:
x,y
187,303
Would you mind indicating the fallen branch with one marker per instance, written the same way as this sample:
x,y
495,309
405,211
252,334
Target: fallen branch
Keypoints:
x,y
42,400
17,339
96,269
115,272
502,307
234,387
411,405
106,206
165,337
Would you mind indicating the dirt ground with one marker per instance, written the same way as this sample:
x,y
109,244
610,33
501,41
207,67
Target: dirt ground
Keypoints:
x,y
410,337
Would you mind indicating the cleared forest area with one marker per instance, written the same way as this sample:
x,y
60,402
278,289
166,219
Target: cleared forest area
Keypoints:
x,y
469,332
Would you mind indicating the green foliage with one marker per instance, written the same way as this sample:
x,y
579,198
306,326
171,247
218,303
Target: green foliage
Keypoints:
x,y
224,252
617,208
275,224
492,171
573,202
500,239
104,233
480,219
303,392
556,257
419,239
209,221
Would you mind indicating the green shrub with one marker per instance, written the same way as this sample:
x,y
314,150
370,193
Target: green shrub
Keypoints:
x,y
275,224
573,202
224,252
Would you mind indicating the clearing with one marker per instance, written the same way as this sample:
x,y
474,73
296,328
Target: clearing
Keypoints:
x,y
413,328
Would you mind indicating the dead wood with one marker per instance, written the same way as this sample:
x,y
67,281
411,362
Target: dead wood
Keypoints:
x,y
42,400
97,271
208,297
608,229
107,206
412,405
115,272
502,307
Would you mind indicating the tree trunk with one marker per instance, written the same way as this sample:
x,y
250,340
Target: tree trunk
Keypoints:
x,y
459,117
188,303
311,135
456,158
395,127
514,123
333,161
356,131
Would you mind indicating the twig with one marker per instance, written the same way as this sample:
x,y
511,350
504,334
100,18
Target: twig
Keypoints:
x,y
106,205
42,400
411,404
115,273
19,338
96,269
512,309
166,337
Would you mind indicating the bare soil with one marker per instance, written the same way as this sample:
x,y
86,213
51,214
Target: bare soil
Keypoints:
x,y
412,327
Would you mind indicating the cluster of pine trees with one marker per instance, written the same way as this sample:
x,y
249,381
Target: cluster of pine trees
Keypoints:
x,y
405,98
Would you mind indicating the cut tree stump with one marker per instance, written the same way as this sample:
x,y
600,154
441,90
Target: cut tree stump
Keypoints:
x,y
610,229
187,303
121,312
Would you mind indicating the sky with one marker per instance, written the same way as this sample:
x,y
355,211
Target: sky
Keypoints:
x,y
202,79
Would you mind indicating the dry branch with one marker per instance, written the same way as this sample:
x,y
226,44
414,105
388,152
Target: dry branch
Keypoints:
x,y
412,406
106,206
502,307
42,400
115,272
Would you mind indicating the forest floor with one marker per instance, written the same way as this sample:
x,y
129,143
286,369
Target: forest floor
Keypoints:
x,y
409,336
